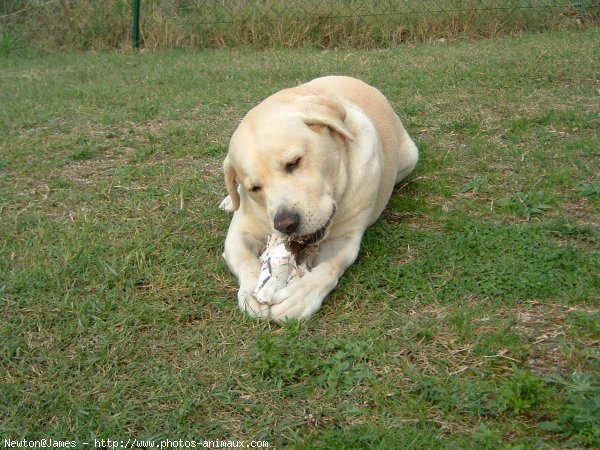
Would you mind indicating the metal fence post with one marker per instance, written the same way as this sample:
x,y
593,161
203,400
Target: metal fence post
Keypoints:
x,y
136,23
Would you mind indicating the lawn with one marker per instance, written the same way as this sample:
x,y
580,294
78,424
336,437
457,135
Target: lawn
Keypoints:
x,y
470,320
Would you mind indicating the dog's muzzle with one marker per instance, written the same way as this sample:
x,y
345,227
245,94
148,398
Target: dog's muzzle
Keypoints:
x,y
317,236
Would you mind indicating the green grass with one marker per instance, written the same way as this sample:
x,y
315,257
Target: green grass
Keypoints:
x,y
470,319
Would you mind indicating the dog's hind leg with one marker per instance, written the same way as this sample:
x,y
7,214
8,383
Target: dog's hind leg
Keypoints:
x,y
409,157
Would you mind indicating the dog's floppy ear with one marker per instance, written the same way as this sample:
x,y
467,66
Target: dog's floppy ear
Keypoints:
x,y
326,111
230,183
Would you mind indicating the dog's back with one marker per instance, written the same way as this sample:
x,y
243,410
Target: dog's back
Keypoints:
x,y
400,154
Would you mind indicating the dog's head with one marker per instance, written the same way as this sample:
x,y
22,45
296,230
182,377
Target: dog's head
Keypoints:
x,y
287,156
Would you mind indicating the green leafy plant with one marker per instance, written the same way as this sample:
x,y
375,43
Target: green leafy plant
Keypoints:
x,y
527,204
521,392
488,438
475,185
588,189
578,419
290,357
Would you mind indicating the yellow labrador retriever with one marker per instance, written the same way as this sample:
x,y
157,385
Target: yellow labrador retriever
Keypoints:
x,y
317,164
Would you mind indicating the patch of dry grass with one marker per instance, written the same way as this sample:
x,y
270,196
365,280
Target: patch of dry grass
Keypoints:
x,y
83,25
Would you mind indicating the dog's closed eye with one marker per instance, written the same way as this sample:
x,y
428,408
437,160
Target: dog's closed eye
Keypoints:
x,y
292,165
255,189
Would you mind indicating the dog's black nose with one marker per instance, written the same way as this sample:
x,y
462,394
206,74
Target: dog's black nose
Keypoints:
x,y
286,221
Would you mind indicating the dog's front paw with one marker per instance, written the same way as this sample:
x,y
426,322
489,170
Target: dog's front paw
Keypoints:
x,y
227,204
299,300
248,304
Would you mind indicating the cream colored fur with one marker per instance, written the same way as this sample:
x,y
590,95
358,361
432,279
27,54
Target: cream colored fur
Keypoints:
x,y
330,151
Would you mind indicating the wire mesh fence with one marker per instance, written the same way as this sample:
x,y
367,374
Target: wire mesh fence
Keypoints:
x,y
325,23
